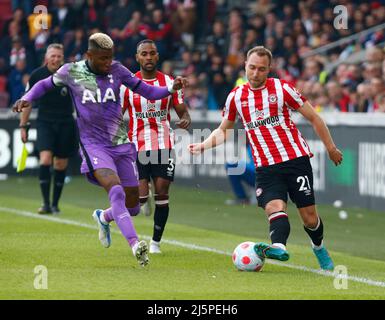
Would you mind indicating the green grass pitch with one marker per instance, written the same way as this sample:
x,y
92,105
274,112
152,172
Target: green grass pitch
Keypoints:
x,y
195,264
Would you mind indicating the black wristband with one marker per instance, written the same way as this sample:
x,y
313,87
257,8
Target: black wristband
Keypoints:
x,y
25,126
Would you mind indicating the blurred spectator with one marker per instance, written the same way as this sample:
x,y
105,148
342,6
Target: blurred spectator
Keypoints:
x,y
270,23
302,44
257,22
365,99
313,69
130,37
188,65
381,103
6,42
25,5
77,47
196,60
235,32
383,70
4,67
374,55
372,70
251,39
18,51
63,20
93,15
16,83
219,89
261,7
338,101
195,94
133,27
318,96
41,41
218,37
118,14
377,87
167,67
187,20
159,30
294,66
19,19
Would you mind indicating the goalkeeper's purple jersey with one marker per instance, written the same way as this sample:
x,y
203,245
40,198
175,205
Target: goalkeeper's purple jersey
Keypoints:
x,y
97,101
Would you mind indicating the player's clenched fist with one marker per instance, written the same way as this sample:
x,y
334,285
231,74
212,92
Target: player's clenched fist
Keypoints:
x,y
195,148
180,83
20,105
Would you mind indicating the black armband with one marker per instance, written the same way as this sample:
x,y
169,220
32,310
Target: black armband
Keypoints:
x,y
26,126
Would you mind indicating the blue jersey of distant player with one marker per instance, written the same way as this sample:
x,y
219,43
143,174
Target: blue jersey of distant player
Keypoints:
x,y
97,101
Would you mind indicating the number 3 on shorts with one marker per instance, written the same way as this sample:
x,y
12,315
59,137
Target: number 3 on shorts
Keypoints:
x,y
171,165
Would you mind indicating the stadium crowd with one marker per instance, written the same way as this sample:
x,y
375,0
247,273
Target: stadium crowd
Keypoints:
x,y
207,41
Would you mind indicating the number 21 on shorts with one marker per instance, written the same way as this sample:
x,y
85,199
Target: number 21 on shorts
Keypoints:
x,y
304,183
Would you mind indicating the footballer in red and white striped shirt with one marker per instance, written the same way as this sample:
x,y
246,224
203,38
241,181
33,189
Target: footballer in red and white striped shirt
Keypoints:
x,y
265,113
149,120
280,152
150,130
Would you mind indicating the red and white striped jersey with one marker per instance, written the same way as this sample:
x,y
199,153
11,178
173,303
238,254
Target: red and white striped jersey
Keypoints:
x,y
266,117
149,120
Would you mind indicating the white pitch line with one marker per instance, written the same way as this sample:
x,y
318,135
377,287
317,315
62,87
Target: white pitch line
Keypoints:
x,y
195,247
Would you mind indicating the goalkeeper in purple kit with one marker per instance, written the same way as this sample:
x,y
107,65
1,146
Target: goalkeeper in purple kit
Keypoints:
x,y
109,159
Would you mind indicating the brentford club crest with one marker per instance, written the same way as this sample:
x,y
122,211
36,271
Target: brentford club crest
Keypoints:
x,y
272,98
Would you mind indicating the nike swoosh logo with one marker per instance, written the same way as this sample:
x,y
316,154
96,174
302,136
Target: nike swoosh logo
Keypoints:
x,y
77,80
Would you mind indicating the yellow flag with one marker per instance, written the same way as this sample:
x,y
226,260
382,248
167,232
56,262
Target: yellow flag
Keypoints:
x,y
22,160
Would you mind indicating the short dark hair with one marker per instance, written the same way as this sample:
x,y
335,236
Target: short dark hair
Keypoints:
x,y
143,42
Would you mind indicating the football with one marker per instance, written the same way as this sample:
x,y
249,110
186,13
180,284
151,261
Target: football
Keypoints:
x,y
245,258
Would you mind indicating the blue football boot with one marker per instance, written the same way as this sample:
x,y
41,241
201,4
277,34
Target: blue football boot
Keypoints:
x,y
272,252
324,260
104,229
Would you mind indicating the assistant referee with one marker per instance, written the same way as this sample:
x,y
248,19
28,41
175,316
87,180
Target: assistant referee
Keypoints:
x,y
56,130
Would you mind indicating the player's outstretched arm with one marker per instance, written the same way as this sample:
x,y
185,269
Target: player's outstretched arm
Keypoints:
x,y
322,131
216,138
20,104
156,93
24,123
38,90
